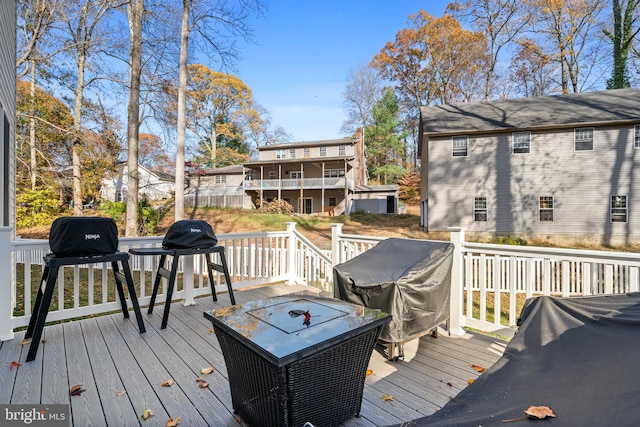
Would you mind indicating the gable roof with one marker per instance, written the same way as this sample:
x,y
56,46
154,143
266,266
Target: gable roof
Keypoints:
x,y
587,108
318,143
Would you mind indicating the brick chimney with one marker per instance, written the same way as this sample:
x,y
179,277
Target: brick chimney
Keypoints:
x,y
361,161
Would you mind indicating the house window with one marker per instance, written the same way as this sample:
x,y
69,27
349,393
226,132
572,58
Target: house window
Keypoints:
x,y
342,150
618,208
459,145
480,209
307,152
521,142
292,153
296,175
220,179
545,213
333,173
323,151
583,139
249,176
333,201
637,136
281,154
272,175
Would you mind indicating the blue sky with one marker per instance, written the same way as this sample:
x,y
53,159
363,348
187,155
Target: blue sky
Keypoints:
x,y
304,50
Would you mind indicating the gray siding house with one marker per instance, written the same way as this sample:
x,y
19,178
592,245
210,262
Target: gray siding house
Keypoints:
x,y
7,112
549,167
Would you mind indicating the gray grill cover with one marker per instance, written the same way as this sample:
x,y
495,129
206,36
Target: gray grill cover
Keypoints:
x,y
409,279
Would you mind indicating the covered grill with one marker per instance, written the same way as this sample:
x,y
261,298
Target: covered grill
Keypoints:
x,y
409,279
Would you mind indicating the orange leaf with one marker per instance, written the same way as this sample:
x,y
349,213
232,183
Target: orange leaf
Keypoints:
x,y
540,412
477,368
387,397
470,380
167,383
77,390
203,384
173,422
369,372
207,370
14,364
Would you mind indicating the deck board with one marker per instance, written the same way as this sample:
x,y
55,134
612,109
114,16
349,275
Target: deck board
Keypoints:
x,y
123,371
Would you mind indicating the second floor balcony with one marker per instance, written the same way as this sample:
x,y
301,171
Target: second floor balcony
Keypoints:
x,y
295,184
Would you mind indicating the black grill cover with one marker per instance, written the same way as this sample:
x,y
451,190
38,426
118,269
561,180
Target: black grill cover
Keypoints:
x,y
409,279
189,234
578,356
78,236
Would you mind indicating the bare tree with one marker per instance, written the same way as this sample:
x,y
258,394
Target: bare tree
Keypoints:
x,y
364,89
82,20
135,10
217,25
501,21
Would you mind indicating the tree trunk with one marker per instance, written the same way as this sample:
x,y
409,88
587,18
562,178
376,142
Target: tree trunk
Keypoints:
x,y
77,129
182,88
134,12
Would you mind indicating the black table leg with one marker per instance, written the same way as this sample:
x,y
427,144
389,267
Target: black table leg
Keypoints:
x,y
41,313
156,283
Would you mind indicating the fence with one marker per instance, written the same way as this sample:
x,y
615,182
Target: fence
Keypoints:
x,y
489,282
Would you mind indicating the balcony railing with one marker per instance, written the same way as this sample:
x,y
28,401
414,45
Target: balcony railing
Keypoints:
x,y
296,184
489,282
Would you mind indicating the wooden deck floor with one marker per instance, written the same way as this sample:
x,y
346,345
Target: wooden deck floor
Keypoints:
x,y
123,371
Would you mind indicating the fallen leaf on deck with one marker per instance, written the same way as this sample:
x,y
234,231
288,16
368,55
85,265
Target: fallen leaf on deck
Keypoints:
x,y
470,380
167,383
203,384
122,393
173,422
43,340
207,370
450,385
146,414
477,368
387,397
211,330
369,372
25,342
14,364
199,380
77,390
540,412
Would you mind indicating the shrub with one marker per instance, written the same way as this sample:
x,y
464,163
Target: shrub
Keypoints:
x,y
511,240
36,207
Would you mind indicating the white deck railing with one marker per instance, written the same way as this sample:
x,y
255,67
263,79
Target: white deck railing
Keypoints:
x,y
489,282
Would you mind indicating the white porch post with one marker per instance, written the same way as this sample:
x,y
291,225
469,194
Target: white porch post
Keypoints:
x,y
6,285
187,279
456,321
336,231
292,249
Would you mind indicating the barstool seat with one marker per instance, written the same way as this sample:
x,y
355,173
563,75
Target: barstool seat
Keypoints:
x,y
170,275
52,265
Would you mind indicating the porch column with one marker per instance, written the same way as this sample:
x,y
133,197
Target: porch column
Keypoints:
x,y
279,182
261,185
322,197
456,321
347,200
7,285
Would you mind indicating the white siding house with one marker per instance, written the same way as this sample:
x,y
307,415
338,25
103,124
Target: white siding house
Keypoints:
x,y
153,185
563,165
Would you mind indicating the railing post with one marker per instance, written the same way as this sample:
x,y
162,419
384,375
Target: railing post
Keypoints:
x,y
456,320
336,231
6,286
292,248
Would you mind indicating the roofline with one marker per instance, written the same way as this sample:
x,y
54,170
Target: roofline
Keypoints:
x,y
303,160
347,140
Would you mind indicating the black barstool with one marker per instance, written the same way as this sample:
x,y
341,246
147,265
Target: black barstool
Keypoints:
x,y
170,275
52,265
